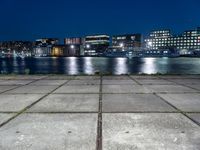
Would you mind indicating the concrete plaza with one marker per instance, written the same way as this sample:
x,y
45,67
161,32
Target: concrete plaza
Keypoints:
x,y
130,112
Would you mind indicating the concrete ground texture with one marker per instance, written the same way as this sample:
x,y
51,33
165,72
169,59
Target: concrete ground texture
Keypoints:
x,y
128,112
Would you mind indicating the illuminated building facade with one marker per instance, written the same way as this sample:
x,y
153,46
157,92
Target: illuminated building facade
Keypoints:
x,y
42,51
46,41
65,50
75,46
43,47
96,45
73,41
127,41
163,39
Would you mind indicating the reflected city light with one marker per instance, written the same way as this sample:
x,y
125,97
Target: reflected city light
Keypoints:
x,y
121,66
15,65
72,66
88,66
149,66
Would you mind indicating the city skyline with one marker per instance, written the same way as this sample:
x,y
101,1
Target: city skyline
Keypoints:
x,y
29,20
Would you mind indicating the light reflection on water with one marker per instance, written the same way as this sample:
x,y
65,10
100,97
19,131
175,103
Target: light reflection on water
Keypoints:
x,y
90,65
72,66
121,66
149,66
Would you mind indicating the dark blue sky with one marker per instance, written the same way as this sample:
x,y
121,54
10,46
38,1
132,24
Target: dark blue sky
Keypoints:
x,y
30,19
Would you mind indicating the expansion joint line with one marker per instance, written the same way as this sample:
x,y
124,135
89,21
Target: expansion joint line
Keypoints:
x,y
178,110
22,85
134,80
99,122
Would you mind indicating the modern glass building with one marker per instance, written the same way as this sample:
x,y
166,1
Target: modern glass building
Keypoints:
x,y
75,46
163,39
96,45
73,40
127,41
46,41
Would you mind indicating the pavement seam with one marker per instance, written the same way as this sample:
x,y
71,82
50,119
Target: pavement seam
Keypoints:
x,y
134,80
94,112
29,106
107,93
179,110
183,84
99,122
18,86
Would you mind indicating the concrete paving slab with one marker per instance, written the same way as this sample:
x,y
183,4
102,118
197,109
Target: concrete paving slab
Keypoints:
x,y
5,88
154,81
15,82
144,77
27,77
125,89
195,86
87,78
83,82
68,103
33,89
6,77
186,81
17,102
113,82
169,88
50,132
180,76
134,103
78,89
185,102
4,117
149,132
60,77
116,77
195,116
49,82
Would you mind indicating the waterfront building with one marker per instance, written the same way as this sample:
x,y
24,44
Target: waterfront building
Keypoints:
x,y
126,41
17,46
96,45
164,39
43,47
74,46
46,41
65,50
42,51
73,41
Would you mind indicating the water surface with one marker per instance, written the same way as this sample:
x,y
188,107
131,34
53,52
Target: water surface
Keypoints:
x,y
92,65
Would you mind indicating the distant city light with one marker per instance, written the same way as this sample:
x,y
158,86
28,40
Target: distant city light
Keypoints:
x,y
87,46
121,44
72,46
150,44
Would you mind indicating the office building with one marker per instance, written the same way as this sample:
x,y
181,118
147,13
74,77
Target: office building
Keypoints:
x,y
127,41
43,47
65,50
74,41
42,51
46,41
96,45
163,39
75,46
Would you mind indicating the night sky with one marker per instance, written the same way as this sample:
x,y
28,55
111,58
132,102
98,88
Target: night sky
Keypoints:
x,y
31,19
